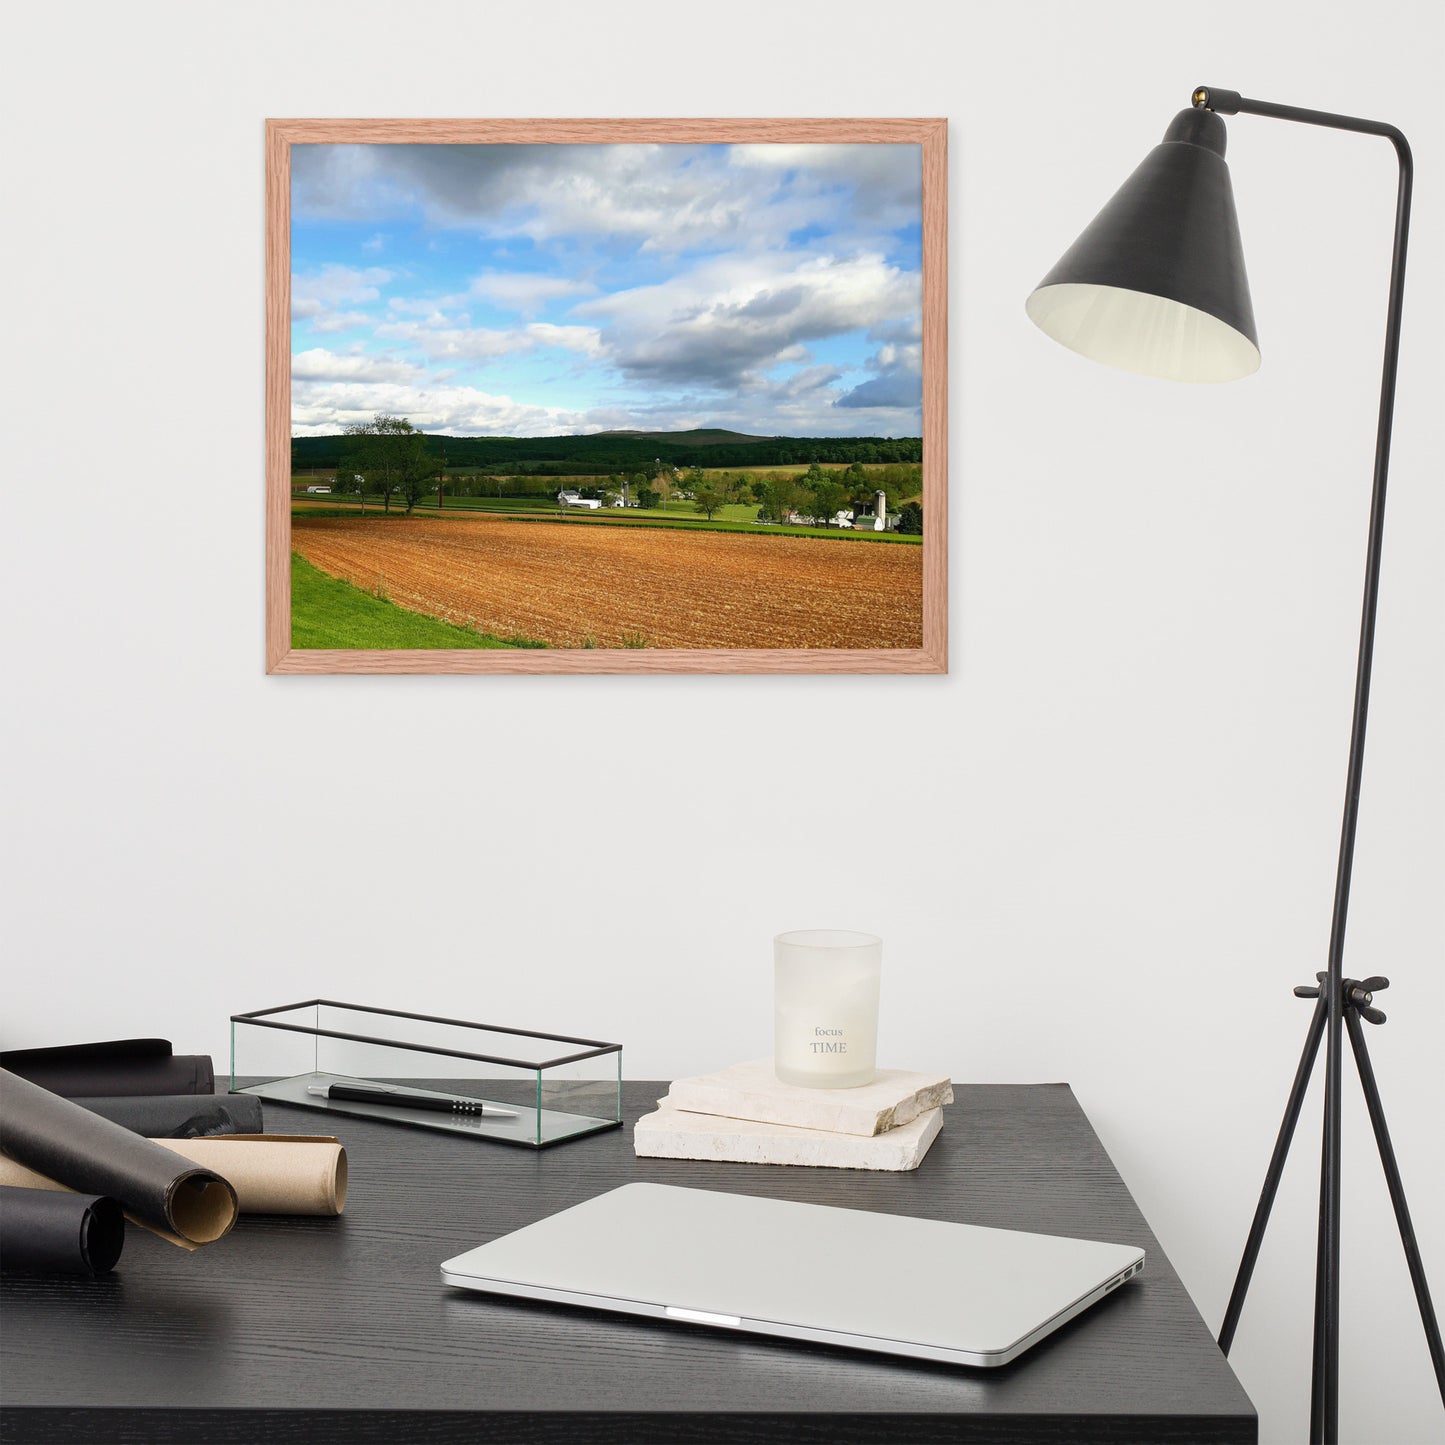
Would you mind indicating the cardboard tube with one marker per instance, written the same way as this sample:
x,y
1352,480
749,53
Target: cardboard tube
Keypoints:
x,y
274,1173
65,1146
271,1173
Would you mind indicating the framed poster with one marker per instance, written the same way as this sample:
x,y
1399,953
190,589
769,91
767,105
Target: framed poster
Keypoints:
x,y
606,396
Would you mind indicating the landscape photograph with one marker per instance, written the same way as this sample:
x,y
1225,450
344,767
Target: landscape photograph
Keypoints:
x,y
618,396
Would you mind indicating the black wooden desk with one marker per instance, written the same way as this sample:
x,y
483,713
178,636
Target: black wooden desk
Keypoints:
x,y
311,1330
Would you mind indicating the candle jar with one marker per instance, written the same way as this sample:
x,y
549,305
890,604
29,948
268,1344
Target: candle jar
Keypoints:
x,y
825,995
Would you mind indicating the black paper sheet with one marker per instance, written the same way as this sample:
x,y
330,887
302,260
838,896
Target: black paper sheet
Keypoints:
x,y
118,1066
181,1116
49,1233
91,1155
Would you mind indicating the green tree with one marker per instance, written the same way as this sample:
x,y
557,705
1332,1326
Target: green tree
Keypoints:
x,y
646,497
828,497
910,520
788,496
860,486
391,455
414,474
707,500
780,495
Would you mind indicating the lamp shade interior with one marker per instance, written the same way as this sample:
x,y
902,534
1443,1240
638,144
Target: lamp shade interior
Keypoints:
x,y
1145,334
1156,284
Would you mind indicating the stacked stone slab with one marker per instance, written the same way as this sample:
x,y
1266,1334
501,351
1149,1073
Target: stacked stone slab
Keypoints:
x,y
745,1115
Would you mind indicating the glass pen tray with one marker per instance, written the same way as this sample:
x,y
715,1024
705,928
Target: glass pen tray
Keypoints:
x,y
552,1087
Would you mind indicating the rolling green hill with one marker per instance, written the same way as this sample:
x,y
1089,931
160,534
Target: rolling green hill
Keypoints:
x,y
604,453
702,436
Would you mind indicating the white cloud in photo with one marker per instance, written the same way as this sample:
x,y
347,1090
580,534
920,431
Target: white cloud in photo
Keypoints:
x,y
318,365
737,314
329,398
902,329
524,292
897,379
328,322
429,309
317,297
323,408
454,343
667,197
885,181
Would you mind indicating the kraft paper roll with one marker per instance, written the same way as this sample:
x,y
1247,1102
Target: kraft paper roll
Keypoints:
x,y
274,1173
271,1173
181,1116
62,1143
48,1233
114,1067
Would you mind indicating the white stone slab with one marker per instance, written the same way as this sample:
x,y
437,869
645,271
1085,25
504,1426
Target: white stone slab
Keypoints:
x,y
673,1133
752,1091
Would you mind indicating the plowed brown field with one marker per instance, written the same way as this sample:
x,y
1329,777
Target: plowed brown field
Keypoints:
x,y
564,583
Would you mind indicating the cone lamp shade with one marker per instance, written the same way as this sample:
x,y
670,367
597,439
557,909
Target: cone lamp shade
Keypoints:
x,y
1156,283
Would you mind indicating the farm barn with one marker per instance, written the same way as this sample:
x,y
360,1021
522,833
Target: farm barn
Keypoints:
x,y
572,499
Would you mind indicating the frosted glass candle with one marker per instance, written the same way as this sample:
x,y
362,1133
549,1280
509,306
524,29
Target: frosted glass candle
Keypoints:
x,y
825,995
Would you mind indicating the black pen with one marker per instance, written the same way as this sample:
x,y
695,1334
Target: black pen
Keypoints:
x,y
409,1099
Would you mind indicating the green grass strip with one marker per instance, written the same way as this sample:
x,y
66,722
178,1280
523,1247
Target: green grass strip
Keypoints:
x,y
329,613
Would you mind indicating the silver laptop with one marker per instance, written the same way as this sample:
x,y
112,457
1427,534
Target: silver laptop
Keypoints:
x,y
924,1288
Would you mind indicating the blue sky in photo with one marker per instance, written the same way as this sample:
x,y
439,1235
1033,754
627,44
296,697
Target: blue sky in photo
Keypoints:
x,y
499,290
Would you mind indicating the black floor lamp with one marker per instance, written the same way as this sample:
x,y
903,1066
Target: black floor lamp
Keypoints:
x,y
1156,285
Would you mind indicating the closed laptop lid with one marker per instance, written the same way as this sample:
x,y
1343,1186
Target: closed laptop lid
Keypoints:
x,y
912,1286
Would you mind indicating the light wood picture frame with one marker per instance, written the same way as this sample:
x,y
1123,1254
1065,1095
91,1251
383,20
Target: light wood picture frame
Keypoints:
x,y
926,649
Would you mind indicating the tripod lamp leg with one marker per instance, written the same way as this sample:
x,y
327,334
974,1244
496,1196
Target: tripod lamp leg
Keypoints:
x,y
1397,1196
1273,1176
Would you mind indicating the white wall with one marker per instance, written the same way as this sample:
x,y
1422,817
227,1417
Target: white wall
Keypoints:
x,y
1112,844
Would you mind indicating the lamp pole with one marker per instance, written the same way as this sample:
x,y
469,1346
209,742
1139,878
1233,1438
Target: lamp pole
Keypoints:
x,y
1156,284
1343,999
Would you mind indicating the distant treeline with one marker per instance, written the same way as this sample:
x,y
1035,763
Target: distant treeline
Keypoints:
x,y
603,455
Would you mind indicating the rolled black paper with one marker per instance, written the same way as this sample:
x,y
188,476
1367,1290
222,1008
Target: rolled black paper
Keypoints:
x,y
117,1066
47,1232
63,1142
181,1116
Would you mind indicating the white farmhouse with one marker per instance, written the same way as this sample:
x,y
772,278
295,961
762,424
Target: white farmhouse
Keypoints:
x,y
574,499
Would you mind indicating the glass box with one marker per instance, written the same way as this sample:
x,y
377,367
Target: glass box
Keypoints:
x,y
512,1086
